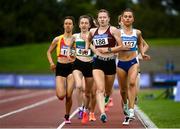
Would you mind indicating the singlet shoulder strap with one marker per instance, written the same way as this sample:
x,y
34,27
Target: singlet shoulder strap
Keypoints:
x,y
60,37
59,45
135,32
122,31
96,31
76,35
108,30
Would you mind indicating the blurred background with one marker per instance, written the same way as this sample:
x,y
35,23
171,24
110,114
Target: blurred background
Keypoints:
x,y
27,28
29,21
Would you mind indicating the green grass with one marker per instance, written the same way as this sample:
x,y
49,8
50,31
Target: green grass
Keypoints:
x,y
24,59
31,58
164,42
165,113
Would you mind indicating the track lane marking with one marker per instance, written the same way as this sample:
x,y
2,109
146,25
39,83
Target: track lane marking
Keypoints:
x,y
144,119
6,92
23,97
71,116
29,107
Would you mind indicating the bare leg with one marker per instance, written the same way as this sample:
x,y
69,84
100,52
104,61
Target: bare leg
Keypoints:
x,y
132,76
99,79
60,87
69,87
93,98
78,77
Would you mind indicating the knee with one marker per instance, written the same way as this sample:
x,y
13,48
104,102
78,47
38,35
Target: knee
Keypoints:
x,y
79,88
60,94
132,84
60,97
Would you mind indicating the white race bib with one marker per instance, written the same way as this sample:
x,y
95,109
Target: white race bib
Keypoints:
x,y
131,44
100,41
64,52
80,52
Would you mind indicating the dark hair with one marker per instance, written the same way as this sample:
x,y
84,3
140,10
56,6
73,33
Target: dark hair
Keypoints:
x,y
127,10
85,16
70,17
94,22
103,10
119,18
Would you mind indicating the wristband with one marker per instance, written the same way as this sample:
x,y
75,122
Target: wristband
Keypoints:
x,y
109,49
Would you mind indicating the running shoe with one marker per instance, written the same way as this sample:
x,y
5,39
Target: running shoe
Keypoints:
x,y
84,118
131,114
80,113
92,116
106,100
110,104
126,110
106,108
66,119
103,117
126,121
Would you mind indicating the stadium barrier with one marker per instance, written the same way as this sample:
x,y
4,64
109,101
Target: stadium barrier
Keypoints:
x,y
46,81
27,81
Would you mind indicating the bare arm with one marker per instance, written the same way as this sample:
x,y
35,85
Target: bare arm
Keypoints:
x,y
140,42
116,33
89,39
49,53
143,46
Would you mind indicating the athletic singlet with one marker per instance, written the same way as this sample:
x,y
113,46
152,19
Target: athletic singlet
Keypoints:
x,y
80,45
103,40
130,39
62,48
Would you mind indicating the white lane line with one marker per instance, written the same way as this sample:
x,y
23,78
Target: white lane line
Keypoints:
x,y
29,107
71,116
23,96
145,120
7,92
27,128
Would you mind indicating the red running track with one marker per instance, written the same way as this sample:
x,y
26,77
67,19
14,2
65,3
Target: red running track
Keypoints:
x,y
39,108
